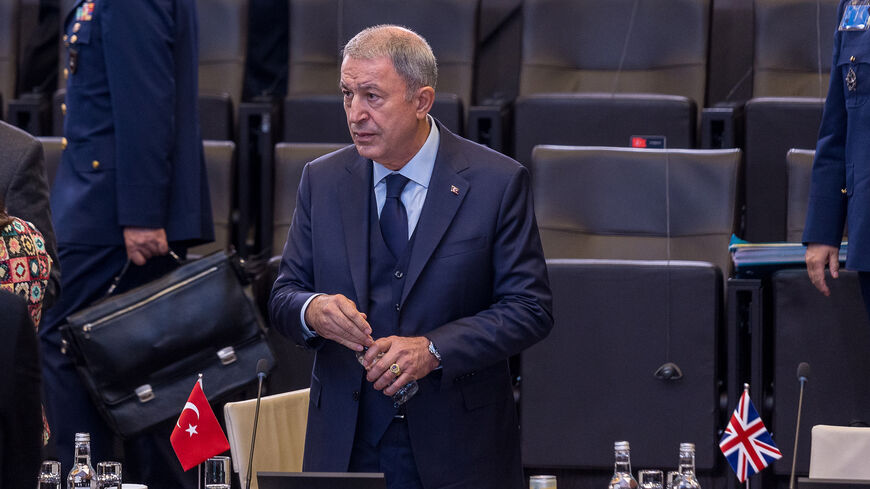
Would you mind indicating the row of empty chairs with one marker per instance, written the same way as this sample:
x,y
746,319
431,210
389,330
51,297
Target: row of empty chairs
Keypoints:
x,y
594,82
677,204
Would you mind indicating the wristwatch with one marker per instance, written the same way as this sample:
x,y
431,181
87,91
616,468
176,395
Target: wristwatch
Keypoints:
x,y
434,352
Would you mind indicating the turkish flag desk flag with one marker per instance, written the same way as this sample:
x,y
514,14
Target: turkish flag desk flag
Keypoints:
x,y
197,434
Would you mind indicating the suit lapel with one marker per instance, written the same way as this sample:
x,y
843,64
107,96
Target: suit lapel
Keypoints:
x,y
447,190
355,189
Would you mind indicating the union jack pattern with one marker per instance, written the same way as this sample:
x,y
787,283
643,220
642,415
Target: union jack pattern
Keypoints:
x,y
746,443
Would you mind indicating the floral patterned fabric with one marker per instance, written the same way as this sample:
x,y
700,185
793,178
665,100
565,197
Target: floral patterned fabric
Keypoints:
x,y
24,264
24,267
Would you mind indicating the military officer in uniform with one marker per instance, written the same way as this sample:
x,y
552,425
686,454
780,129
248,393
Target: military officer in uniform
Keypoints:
x,y
840,189
131,185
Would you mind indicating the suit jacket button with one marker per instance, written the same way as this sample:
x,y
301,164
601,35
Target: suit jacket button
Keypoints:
x,y
77,26
63,109
843,191
398,307
73,39
398,274
356,395
65,73
852,59
63,143
95,164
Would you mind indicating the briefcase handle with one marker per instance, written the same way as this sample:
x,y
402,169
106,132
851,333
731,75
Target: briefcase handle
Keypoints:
x,y
120,276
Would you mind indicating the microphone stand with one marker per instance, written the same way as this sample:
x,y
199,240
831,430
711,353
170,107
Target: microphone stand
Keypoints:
x,y
260,375
796,433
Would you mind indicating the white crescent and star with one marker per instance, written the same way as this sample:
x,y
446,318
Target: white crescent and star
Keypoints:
x,y
193,408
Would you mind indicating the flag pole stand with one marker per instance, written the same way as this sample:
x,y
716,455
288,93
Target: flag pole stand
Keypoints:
x,y
746,390
199,466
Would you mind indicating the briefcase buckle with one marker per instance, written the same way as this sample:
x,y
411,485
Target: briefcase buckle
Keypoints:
x,y
144,393
227,355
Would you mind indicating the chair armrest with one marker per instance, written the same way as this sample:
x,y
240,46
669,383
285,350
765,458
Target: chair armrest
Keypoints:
x,y
259,127
722,126
489,123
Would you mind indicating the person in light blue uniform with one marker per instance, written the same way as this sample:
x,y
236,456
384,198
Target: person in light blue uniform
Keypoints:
x,y
131,185
840,188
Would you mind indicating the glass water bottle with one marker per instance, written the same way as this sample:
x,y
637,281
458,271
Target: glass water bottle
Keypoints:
x,y
622,478
82,473
687,478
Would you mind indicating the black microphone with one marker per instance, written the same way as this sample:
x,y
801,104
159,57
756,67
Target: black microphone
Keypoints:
x,y
262,369
803,374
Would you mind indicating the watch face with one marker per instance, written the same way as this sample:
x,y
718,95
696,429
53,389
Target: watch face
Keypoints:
x,y
434,351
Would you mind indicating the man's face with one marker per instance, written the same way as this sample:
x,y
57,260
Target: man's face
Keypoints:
x,y
384,125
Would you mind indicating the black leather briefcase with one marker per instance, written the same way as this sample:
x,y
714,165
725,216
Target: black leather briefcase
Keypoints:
x,y
139,352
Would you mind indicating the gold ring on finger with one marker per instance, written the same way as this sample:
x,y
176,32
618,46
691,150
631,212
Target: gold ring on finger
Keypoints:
x,y
394,368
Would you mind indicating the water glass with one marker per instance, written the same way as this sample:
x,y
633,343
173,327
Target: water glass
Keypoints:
x,y
542,482
217,473
650,479
49,475
673,477
109,475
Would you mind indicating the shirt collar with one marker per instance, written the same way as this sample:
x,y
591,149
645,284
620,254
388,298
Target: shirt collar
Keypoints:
x,y
419,168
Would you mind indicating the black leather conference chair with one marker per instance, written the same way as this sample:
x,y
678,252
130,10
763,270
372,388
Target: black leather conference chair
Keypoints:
x,y
219,160
599,73
313,111
293,365
593,379
8,53
832,334
290,159
791,67
223,33
773,126
612,203
799,167
52,148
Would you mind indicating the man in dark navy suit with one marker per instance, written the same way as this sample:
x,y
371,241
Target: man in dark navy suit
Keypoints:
x,y
422,247
131,184
840,189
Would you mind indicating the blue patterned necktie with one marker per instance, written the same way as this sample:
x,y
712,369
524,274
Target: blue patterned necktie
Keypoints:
x,y
394,218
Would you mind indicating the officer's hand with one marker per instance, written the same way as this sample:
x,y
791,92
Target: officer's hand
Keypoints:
x,y
819,255
143,243
336,318
410,355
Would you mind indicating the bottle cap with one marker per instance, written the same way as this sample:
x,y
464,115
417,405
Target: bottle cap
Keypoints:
x,y
80,437
687,446
542,482
620,445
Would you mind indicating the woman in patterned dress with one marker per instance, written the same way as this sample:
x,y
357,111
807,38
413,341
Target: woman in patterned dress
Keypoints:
x,y
24,268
